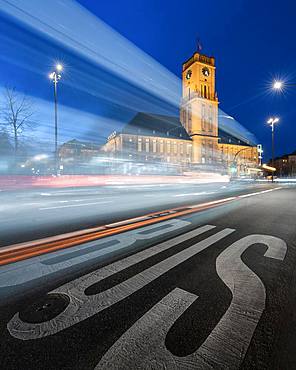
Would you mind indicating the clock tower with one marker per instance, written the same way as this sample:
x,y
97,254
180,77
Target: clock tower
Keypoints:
x,y
199,107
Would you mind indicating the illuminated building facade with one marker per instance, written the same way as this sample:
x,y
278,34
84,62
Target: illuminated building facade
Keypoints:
x,y
194,140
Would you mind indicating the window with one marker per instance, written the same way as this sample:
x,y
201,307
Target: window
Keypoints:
x,y
181,148
189,125
147,145
203,118
203,147
168,147
161,146
154,146
139,145
175,148
189,149
210,118
205,91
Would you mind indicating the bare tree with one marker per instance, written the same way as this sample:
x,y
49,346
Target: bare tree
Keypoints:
x,y
17,112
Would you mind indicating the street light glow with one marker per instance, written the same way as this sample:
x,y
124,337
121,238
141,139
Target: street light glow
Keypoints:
x,y
273,120
278,85
51,75
59,67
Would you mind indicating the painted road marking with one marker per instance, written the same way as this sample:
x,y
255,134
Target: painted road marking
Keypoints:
x,y
74,205
194,194
34,268
144,343
140,346
82,306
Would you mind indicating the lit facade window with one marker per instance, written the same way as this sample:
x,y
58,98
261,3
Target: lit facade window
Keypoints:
x,y
175,148
203,117
168,147
210,118
181,148
139,145
161,146
154,146
147,145
189,149
189,124
203,147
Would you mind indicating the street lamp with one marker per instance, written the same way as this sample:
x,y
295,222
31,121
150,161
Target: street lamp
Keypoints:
x,y
271,122
55,76
278,85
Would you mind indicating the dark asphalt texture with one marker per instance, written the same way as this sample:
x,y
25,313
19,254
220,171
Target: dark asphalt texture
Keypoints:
x,y
81,346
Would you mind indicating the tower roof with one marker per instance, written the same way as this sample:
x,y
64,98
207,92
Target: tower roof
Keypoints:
x,y
201,58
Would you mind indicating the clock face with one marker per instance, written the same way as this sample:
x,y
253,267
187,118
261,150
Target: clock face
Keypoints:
x,y
206,71
188,74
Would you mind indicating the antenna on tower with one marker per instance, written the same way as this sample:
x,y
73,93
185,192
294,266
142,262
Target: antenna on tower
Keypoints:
x,y
198,45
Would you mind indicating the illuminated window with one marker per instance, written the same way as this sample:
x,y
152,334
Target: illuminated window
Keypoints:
x,y
147,145
161,146
139,145
210,118
168,147
189,149
154,146
175,148
189,124
203,118
181,148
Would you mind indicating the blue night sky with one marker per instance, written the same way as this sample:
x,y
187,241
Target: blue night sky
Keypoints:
x,y
253,42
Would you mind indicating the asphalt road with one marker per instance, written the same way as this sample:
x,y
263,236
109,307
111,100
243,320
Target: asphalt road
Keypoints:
x,y
209,290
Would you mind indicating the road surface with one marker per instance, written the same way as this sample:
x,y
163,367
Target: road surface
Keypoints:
x,y
213,289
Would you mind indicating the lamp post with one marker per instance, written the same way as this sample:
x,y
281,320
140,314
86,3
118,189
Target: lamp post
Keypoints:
x,y
272,121
55,76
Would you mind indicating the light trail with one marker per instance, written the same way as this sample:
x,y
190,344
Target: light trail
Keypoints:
x,y
118,57
27,250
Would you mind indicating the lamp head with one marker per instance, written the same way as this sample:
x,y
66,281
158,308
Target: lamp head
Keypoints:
x,y
273,120
59,67
277,85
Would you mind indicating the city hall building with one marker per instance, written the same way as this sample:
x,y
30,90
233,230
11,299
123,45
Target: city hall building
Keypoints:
x,y
194,140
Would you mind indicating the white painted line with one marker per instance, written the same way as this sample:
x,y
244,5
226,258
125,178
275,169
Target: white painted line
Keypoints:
x,y
83,306
194,194
74,205
212,202
258,192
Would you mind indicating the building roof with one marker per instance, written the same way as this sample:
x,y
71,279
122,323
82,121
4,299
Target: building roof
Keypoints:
x,y
81,145
156,125
147,124
226,138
